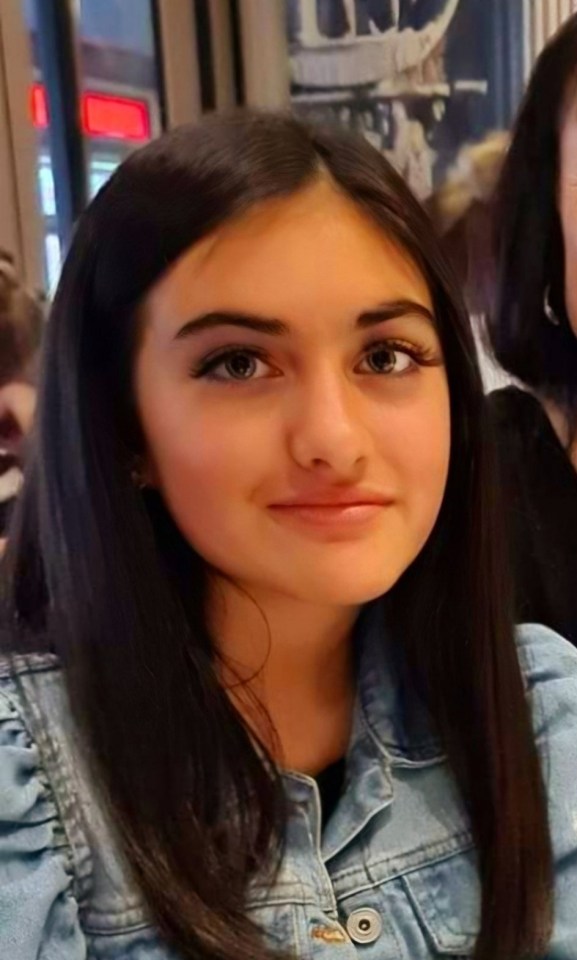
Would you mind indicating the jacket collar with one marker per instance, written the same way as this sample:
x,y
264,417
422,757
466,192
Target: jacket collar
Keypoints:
x,y
382,703
380,740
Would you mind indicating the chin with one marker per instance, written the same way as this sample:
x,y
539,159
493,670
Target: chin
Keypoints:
x,y
347,590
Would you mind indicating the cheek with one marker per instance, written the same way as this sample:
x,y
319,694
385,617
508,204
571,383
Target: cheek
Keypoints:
x,y
416,442
199,462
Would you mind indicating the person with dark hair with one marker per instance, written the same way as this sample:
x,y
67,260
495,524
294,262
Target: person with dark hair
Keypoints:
x,y
21,325
261,694
533,332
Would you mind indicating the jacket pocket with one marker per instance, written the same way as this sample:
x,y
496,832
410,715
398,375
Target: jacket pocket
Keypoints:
x,y
446,898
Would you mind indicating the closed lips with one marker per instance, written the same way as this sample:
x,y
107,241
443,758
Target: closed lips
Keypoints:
x,y
334,501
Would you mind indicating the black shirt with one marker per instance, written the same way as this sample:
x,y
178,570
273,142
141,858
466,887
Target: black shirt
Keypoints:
x,y
541,490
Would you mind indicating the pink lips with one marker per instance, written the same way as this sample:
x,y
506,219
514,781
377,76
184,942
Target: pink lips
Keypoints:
x,y
332,510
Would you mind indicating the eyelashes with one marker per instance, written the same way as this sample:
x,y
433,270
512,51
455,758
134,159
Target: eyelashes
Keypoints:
x,y
208,365
239,363
419,354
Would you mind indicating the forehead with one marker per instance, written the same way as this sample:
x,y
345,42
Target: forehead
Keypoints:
x,y
315,251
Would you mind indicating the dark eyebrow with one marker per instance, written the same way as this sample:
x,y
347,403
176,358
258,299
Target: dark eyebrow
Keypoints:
x,y
209,321
273,327
392,310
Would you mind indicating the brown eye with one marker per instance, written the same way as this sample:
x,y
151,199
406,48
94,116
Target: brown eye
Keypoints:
x,y
234,366
240,366
386,360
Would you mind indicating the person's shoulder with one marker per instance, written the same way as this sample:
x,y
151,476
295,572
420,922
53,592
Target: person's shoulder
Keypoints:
x,y
33,699
549,665
37,886
544,655
13,666
25,678
550,668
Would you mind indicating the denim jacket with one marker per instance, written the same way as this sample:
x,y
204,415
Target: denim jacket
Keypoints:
x,y
392,876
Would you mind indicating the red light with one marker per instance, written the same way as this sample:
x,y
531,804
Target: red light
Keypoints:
x,y
38,105
117,118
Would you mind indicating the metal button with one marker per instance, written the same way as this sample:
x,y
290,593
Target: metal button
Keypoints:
x,y
364,926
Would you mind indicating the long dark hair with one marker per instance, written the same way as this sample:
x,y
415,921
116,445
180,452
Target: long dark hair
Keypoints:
x,y
529,250
97,571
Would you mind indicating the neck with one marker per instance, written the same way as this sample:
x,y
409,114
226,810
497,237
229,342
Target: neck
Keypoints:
x,y
296,659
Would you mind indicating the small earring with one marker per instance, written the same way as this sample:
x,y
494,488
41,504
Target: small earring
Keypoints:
x,y
548,309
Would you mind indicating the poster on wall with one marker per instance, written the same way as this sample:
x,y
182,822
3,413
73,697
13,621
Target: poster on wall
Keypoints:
x,y
419,78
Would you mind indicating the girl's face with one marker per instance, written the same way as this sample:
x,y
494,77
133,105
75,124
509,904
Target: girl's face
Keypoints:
x,y
294,403
568,205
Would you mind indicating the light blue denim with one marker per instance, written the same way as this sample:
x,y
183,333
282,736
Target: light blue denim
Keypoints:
x,y
398,844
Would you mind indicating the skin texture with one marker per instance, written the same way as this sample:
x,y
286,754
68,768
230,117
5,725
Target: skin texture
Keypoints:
x,y
312,420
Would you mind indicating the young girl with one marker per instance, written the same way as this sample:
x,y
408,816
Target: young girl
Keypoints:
x,y
262,694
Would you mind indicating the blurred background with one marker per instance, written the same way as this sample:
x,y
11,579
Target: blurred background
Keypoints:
x,y
84,82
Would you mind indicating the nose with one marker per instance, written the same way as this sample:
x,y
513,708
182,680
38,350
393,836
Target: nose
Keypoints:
x,y
327,428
